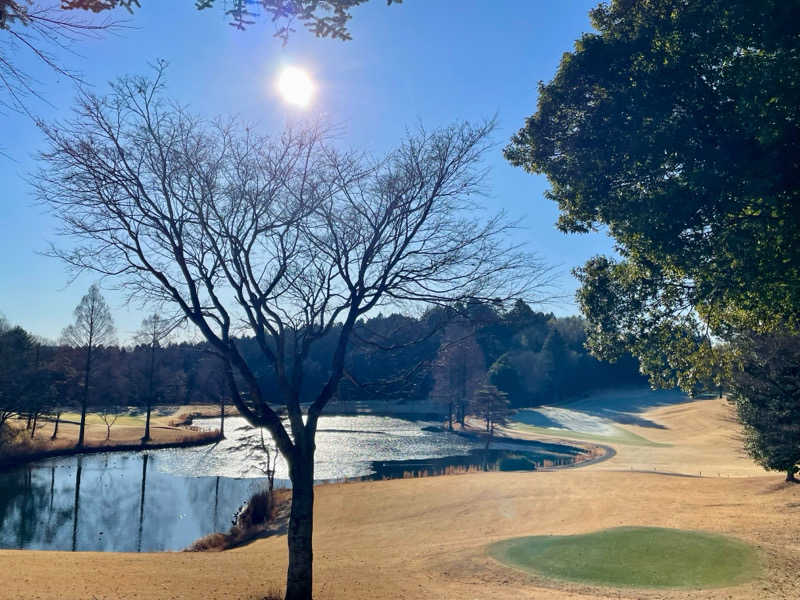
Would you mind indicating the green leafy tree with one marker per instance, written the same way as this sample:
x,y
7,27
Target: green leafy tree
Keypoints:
x,y
505,376
676,126
765,388
556,357
16,358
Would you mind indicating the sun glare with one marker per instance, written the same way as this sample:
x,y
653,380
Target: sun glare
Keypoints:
x,y
295,86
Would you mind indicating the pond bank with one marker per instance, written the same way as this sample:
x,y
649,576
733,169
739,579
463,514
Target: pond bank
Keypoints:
x,y
124,438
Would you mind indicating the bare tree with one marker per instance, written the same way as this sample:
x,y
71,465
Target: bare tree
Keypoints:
x,y
459,369
93,327
285,239
42,29
109,413
154,331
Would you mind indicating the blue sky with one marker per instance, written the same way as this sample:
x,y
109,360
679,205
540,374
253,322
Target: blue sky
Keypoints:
x,y
429,61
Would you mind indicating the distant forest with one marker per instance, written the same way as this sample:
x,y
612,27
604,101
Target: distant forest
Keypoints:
x,y
533,357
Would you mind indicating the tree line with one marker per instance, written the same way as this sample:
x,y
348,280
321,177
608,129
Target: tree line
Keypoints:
x,y
89,372
456,358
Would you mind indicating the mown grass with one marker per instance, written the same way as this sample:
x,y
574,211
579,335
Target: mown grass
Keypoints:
x,y
647,557
620,435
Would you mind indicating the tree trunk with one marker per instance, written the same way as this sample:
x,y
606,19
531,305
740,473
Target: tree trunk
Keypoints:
x,y
299,577
33,429
450,415
146,436
790,475
222,417
85,399
55,427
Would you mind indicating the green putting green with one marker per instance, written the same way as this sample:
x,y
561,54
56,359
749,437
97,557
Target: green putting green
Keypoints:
x,y
634,556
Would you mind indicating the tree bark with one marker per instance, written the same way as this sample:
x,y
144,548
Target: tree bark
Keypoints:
x,y
150,389
299,577
222,416
146,436
85,399
55,427
790,475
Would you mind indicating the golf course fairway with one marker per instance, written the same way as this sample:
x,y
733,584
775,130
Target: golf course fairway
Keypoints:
x,y
634,556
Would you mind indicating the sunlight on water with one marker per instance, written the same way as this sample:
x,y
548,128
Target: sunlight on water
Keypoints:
x,y
346,446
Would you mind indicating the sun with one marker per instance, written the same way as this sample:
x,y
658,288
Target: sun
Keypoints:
x,y
295,86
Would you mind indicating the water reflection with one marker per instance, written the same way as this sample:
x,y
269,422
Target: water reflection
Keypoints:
x,y
166,499
113,502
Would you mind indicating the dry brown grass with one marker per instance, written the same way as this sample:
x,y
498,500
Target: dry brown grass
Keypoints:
x,y
427,537
185,414
264,514
22,447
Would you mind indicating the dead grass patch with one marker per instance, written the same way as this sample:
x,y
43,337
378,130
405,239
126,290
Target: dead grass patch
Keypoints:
x,y
265,514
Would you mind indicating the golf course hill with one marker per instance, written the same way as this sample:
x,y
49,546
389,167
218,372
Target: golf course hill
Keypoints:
x,y
678,480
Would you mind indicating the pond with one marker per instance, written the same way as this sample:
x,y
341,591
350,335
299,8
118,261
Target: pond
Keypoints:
x,y
166,499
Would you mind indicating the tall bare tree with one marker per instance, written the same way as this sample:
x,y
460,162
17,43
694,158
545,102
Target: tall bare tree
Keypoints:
x,y
154,331
93,327
285,239
459,370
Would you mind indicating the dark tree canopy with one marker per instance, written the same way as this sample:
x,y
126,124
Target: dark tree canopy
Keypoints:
x,y
766,392
676,126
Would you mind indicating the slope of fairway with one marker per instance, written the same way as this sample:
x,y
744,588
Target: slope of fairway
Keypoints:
x,y
634,556
525,422
664,432
603,416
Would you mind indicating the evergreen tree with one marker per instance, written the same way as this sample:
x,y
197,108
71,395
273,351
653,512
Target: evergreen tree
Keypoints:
x,y
492,407
766,392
